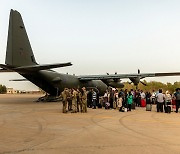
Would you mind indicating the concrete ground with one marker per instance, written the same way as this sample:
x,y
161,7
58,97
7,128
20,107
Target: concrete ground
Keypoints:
x,y
29,127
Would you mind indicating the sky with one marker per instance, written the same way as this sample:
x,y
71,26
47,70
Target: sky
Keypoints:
x,y
98,36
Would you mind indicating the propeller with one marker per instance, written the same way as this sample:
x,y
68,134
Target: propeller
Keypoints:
x,y
143,83
139,71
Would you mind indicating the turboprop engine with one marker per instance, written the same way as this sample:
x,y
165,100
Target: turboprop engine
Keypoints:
x,y
115,83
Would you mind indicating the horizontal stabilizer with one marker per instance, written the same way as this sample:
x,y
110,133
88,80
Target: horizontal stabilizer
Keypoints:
x,y
33,68
41,67
5,70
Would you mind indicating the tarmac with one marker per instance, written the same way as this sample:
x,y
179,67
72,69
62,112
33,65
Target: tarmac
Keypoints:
x,y
28,127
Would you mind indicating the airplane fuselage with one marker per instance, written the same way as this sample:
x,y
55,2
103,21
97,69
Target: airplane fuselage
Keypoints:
x,y
54,83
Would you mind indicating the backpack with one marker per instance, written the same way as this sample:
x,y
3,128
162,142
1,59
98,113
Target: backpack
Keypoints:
x,y
177,96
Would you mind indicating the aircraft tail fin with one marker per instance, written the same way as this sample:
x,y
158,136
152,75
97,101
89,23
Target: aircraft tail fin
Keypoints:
x,y
19,51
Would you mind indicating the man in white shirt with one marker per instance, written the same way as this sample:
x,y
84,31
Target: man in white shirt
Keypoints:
x,y
143,95
160,100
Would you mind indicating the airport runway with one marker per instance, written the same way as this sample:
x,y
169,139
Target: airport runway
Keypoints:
x,y
29,127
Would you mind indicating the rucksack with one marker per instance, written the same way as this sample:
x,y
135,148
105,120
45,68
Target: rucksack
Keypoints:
x,y
177,96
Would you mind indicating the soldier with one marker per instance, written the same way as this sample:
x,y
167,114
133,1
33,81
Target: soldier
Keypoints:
x,y
84,100
64,97
79,101
69,99
74,100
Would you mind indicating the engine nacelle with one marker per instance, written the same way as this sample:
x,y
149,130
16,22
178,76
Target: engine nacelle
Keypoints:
x,y
115,84
135,80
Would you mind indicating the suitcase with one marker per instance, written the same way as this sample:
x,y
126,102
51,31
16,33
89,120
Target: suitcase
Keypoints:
x,y
143,103
114,105
99,105
168,109
148,107
133,106
121,109
107,105
125,109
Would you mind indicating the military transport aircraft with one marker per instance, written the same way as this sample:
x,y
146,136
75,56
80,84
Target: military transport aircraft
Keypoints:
x,y
20,59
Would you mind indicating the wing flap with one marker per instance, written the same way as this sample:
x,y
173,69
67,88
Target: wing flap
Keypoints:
x,y
113,76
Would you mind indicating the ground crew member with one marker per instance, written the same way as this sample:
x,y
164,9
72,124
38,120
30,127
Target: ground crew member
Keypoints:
x,y
74,100
84,100
64,100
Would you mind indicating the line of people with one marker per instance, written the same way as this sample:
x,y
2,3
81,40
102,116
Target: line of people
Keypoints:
x,y
125,99
165,101
118,100
77,100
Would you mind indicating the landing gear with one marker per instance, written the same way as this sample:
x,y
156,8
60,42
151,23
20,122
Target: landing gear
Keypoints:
x,y
49,98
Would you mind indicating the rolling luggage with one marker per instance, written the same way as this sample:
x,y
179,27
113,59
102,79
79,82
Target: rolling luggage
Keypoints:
x,y
168,109
125,109
107,105
148,107
121,109
99,105
133,106
114,105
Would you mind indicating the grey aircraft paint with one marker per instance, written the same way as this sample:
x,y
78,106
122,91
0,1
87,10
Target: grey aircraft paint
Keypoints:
x,y
19,53
20,59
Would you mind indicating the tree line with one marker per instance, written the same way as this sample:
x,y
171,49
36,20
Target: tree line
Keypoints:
x,y
3,89
150,86
154,85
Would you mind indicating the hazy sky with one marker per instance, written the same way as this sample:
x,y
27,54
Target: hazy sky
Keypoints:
x,y
98,36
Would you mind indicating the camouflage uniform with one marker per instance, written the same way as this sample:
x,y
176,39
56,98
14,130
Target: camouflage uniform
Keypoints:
x,y
74,101
64,97
69,99
84,101
79,104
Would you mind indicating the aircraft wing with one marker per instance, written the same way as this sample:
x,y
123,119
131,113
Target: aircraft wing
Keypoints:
x,y
124,76
32,68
